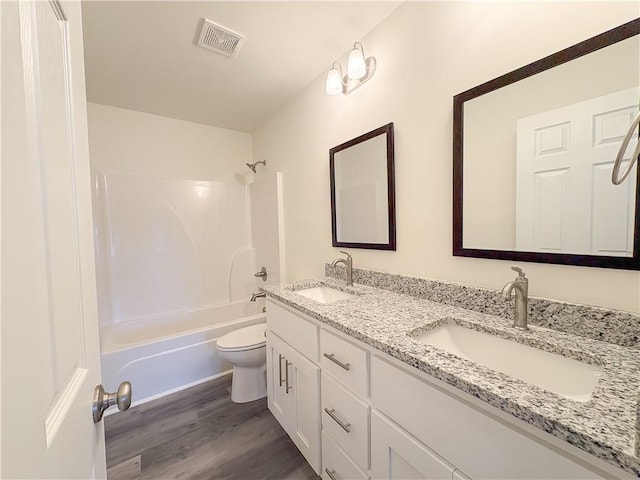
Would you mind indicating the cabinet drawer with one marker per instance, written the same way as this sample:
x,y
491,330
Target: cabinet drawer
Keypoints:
x,y
477,444
345,361
346,419
337,462
293,329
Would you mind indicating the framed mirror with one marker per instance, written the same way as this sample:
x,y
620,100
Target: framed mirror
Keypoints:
x,y
533,153
363,211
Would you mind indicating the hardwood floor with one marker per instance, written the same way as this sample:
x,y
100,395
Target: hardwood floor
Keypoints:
x,y
200,433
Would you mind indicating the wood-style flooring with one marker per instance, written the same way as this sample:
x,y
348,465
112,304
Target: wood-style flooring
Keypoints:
x,y
199,433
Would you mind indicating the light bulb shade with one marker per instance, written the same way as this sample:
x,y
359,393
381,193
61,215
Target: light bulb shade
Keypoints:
x,y
334,82
356,66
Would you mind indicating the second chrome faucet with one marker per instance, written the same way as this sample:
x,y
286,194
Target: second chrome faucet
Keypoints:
x,y
521,287
348,263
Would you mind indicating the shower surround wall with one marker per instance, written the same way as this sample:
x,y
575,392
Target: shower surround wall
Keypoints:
x,y
174,253
174,245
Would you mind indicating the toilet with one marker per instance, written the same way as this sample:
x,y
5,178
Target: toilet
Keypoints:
x,y
246,350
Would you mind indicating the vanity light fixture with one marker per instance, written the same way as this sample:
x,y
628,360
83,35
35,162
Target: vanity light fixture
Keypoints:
x,y
359,70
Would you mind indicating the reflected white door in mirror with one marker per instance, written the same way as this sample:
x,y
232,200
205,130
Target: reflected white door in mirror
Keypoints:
x,y
565,201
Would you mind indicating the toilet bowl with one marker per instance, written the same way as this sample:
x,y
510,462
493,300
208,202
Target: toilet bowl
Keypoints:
x,y
246,350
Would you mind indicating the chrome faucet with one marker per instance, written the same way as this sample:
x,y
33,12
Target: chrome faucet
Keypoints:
x,y
348,263
257,295
521,286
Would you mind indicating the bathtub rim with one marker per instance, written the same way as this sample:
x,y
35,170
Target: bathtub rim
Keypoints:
x,y
108,346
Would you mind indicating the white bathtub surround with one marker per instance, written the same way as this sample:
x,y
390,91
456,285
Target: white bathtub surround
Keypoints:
x,y
604,427
613,326
172,245
176,264
166,353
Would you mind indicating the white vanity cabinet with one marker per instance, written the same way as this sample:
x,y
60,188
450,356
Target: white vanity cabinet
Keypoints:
x,y
293,383
357,413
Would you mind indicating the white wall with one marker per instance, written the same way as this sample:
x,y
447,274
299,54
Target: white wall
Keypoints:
x,y
135,143
427,52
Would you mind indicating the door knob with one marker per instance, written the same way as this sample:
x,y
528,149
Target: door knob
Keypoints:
x,y
103,400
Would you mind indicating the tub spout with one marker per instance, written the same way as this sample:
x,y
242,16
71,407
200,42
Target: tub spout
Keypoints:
x,y
257,295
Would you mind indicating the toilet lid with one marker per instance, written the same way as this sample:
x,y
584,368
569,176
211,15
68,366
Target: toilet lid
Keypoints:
x,y
244,338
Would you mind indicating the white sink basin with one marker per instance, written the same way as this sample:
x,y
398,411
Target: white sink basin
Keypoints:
x,y
324,294
564,376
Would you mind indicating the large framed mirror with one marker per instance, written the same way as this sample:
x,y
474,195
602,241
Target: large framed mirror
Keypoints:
x,y
363,211
533,155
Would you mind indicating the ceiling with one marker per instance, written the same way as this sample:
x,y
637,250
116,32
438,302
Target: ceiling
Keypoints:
x,y
143,56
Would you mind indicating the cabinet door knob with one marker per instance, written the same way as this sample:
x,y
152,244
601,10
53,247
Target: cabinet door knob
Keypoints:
x,y
286,375
332,414
280,368
332,357
331,473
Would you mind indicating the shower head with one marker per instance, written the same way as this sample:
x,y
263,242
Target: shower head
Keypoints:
x,y
252,166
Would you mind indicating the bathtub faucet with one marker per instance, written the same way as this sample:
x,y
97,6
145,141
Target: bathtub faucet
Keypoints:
x,y
257,295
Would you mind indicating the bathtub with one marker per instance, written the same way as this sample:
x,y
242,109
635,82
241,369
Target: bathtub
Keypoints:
x,y
167,353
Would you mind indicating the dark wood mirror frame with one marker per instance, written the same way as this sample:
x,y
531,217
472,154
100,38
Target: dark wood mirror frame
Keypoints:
x,y
391,204
593,44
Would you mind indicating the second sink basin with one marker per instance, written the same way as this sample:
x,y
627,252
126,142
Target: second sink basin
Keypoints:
x,y
324,294
562,375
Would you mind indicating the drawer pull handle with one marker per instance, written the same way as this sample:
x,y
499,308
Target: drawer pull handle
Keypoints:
x,y
333,358
332,414
280,368
331,473
286,375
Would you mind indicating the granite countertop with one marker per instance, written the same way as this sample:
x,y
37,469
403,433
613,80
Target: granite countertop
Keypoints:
x,y
607,426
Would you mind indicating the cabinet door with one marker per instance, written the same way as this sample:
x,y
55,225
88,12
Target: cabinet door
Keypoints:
x,y
397,455
280,403
303,379
293,391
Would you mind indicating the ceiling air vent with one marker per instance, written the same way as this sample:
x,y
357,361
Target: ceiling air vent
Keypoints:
x,y
220,39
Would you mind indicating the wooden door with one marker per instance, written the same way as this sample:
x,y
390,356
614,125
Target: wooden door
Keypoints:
x,y
50,350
